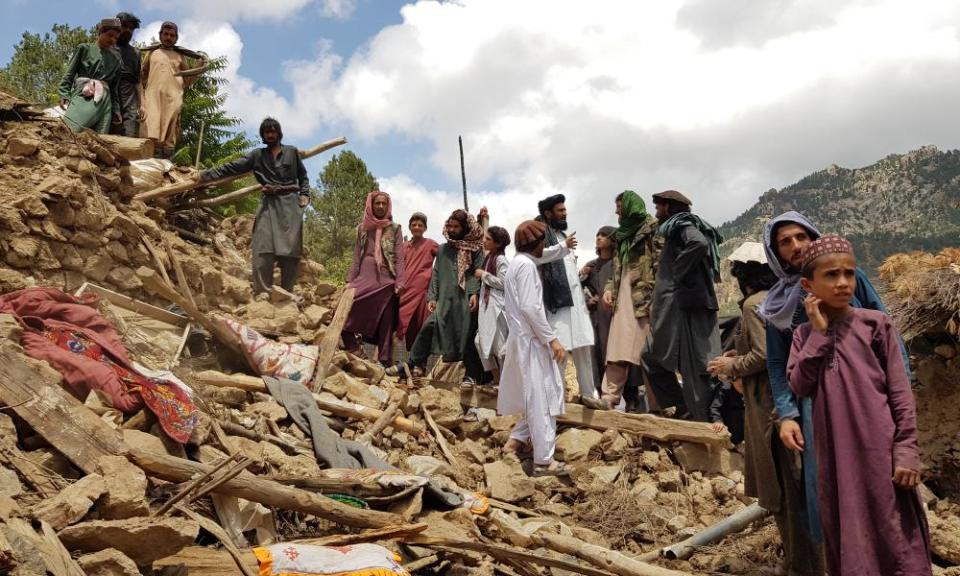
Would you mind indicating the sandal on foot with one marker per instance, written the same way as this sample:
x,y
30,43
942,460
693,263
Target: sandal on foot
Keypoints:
x,y
521,449
594,403
553,469
416,372
395,370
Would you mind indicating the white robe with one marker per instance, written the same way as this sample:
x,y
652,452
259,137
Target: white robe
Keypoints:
x,y
572,324
531,383
492,326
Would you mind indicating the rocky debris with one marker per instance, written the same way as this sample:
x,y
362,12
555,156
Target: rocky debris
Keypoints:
x,y
108,562
507,481
71,504
126,488
576,444
143,540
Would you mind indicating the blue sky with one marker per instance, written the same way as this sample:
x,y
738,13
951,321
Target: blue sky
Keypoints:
x,y
721,99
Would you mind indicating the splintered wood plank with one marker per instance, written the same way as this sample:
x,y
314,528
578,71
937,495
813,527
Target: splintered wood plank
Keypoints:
x,y
328,344
35,394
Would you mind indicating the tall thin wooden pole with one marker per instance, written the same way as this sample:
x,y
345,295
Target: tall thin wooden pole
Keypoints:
x,y
463,175
203,125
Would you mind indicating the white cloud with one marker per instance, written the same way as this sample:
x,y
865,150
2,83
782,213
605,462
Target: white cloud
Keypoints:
x,y
591,98
231,10
338,9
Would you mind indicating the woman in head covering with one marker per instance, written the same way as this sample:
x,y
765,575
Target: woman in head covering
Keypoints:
x,y
89,89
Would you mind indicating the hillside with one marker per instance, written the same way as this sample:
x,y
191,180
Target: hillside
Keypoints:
x,y
901,203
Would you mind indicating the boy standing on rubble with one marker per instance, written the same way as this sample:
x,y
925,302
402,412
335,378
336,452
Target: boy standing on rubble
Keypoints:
x,y
848,360
278,229
531,383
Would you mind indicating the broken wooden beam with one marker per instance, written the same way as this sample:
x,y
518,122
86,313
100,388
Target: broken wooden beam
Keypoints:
x,y
504,552
605,558
127,147
32,390
217,329
656,428
331,337
181,187
267,492
337,407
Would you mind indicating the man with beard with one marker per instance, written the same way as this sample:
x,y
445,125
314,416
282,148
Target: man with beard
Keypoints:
x,y
563,295
684,311
163,89
131,92
378,277
278,229
453,300
784,239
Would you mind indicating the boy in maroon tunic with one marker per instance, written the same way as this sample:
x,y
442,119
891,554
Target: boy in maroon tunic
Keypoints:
x,y
848,360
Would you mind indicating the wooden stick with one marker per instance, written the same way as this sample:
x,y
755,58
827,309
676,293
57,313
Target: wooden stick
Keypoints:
x,y
181,277
441,441
328,343
218,200
499,551
222,438
220,480
193,72
216,329
181,187
64,564
182,493
385,419
618,562
238,430
264,491
421,563
156,258
212,527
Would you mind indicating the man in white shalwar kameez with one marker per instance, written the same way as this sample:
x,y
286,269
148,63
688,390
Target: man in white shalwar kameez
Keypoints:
x,y
531,383
566,306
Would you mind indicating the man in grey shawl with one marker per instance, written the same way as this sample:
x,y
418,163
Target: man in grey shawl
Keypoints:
x,y
278,229
684,312
131,91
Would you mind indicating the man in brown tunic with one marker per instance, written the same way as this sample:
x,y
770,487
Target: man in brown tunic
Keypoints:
x,y
163,90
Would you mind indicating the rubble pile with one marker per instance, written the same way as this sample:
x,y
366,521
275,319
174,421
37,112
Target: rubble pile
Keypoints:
x,y
85,489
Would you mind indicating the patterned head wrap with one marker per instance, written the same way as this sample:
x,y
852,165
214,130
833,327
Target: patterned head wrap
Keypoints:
x,y
829,244
470,243
376,225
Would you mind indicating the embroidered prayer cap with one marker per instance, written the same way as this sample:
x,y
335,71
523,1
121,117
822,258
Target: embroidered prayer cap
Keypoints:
x,y
419,216
529,234
108,24
128,18
829,244
551,201
171,25
671,195
607,230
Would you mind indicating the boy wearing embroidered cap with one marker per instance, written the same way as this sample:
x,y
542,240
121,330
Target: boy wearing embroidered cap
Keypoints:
x,y
868,462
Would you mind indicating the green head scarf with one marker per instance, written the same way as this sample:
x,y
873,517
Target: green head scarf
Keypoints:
x,y
633,215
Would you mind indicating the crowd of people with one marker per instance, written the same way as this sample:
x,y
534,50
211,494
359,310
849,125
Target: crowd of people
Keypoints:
x,y
112,86
814,383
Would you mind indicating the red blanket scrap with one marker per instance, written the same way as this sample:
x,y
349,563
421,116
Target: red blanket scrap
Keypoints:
x,y
71,335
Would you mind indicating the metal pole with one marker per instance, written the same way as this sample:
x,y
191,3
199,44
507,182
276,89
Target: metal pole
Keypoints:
x,y
463,175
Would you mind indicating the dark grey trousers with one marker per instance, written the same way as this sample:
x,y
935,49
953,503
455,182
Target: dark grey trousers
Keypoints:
x,y
263,271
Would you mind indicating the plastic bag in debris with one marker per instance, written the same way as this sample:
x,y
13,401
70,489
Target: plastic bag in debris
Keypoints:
x,y
148,174
291,559
55,112
238,516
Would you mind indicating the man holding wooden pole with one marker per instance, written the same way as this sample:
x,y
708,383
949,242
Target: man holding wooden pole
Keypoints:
x,y
278,230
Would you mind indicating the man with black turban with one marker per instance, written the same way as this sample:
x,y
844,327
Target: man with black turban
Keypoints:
x,y
131,92
562,293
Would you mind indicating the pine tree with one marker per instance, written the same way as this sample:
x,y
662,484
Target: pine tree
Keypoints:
x,y
36,68
335,212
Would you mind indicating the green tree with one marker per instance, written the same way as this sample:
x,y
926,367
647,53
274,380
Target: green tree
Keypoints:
x,y
335,211
38,62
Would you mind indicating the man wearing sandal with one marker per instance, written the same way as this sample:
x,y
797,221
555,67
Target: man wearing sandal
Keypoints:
x,y
531,384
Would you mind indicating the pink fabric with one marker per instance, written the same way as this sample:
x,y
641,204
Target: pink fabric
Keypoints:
x,y
829,244
48,312
371,222
419,268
